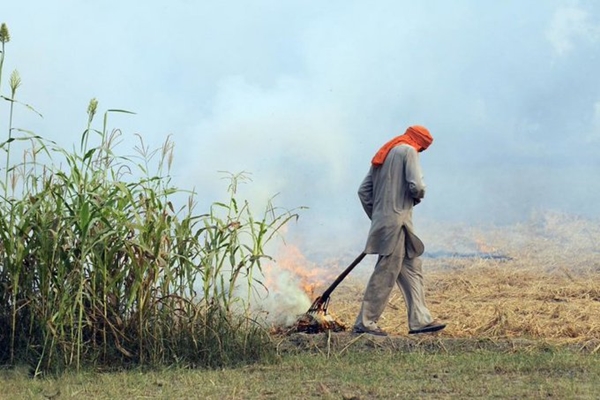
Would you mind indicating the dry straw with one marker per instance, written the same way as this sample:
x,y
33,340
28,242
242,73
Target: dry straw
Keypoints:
x,y
543,284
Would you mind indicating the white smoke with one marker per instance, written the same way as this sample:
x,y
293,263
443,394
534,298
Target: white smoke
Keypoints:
x,y
284,302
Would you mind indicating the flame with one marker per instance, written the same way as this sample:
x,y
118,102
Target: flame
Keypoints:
x,y
305,274
483,247
292,283
318,322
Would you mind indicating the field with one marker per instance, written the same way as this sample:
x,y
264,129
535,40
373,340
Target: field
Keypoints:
x,y
109,291
534,280
522,323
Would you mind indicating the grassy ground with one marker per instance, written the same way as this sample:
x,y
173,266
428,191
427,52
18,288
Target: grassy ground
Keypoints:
x,y
346,373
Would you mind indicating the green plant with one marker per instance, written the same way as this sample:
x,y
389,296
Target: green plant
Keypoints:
x,y
98,266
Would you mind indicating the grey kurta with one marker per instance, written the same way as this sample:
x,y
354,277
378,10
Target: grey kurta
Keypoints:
x,y
388,194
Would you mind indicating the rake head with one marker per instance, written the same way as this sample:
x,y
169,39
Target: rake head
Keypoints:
x,y
319,306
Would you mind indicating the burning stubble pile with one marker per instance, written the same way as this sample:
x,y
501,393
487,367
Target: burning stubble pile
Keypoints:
x,y
317,323
545,288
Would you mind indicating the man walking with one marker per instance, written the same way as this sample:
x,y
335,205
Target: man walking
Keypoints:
x,y
393,186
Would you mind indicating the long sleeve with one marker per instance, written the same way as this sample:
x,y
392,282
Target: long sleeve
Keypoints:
x,y
414,176
365,193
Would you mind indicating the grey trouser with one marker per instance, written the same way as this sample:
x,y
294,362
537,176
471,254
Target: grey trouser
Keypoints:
x,y
407,274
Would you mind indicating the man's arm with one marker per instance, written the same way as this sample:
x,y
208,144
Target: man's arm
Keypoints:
x,y
365,193
414,176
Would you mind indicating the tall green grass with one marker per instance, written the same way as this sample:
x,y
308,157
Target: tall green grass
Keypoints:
x,y
99,267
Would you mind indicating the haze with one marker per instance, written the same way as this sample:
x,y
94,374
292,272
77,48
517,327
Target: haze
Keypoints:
x,y
302,93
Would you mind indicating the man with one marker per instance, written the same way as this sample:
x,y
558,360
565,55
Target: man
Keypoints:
x,y
393,186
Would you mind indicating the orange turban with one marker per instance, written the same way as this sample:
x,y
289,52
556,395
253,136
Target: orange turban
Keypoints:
x,y
416,136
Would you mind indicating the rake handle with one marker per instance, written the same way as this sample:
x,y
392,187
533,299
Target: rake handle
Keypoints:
x,y
325,296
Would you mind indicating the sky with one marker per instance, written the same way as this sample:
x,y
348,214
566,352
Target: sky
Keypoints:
x,y
302,93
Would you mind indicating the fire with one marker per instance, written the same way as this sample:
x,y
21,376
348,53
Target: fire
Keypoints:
x,y
294,279
304,273
483,247
318,322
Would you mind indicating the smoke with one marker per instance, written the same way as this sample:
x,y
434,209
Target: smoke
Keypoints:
x,y
290,281
570,25
301,94
284,302
513,117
